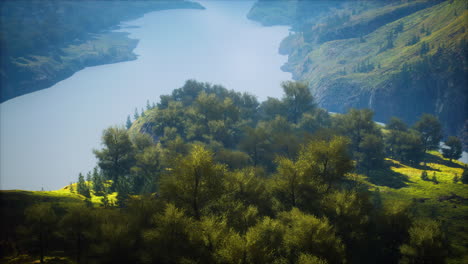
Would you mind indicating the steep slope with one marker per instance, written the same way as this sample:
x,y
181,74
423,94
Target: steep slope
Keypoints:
x,y
397,58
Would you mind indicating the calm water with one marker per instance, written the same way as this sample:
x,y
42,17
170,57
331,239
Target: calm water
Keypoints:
x,y
47,137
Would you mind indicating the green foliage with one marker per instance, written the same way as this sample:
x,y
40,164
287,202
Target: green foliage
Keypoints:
x,y
307,234
424,176
455,148
147,169
350,211
264,241
41,220
117,156
464,177
268,191
371,153
82,187
297,100
431,131
98,182
396,124
404,145
427,243
128,124
195,182
170,238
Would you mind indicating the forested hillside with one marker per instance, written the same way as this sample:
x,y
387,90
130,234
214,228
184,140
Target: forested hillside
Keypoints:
x,y
210,175
43,42
399,58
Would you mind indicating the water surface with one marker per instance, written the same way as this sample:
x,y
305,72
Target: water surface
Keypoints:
x,y
47,137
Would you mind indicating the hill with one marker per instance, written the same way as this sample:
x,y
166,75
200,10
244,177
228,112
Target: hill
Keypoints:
x,y
399,58
227,178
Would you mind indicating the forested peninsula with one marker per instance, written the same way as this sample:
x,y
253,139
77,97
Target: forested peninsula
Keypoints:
x,y
44,42
399,58
211,175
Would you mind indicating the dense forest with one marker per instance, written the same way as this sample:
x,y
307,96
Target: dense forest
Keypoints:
x,y
210,175
398,58
43,42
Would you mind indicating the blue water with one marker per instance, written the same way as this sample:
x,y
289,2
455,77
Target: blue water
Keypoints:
x,y
47,137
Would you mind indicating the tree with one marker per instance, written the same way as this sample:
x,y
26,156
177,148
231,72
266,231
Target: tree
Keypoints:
x,y
320,164
454,150
427,243
272,107
128,124
81,187
372,152
356,124
406,146
194,182
136,115
297,100
329,160
424,176
308,234
124,187
170,239
464,177
351,211
396,124
431,131
98,182
117,156
75,225
147,169
42,220
148,106
292,185
264,241
255,143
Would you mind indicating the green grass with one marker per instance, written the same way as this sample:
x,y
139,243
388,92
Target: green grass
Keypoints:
x,y
446,23
452,213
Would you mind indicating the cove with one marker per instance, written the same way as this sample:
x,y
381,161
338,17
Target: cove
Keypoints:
x,y
47,137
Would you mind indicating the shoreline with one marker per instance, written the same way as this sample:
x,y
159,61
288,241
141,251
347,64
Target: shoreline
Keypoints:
x,y
32,73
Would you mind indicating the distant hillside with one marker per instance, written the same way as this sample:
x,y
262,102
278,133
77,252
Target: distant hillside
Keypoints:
x,y
399,58
44,42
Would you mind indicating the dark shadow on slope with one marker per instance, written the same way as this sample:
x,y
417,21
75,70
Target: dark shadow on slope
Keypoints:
x,y
436,159
386,177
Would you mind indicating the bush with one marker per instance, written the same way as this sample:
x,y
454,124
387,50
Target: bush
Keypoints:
x,y
424,176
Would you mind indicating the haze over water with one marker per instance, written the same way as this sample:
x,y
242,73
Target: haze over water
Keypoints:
x,y
47,137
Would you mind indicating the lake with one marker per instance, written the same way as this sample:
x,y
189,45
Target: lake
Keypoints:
x,y
47,137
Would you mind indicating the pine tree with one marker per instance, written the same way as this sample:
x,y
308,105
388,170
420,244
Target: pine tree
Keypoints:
x,y
128,124
148,106
98,184
81,186
136,115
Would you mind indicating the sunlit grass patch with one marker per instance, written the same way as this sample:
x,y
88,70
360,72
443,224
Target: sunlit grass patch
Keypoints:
x,y
444,201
